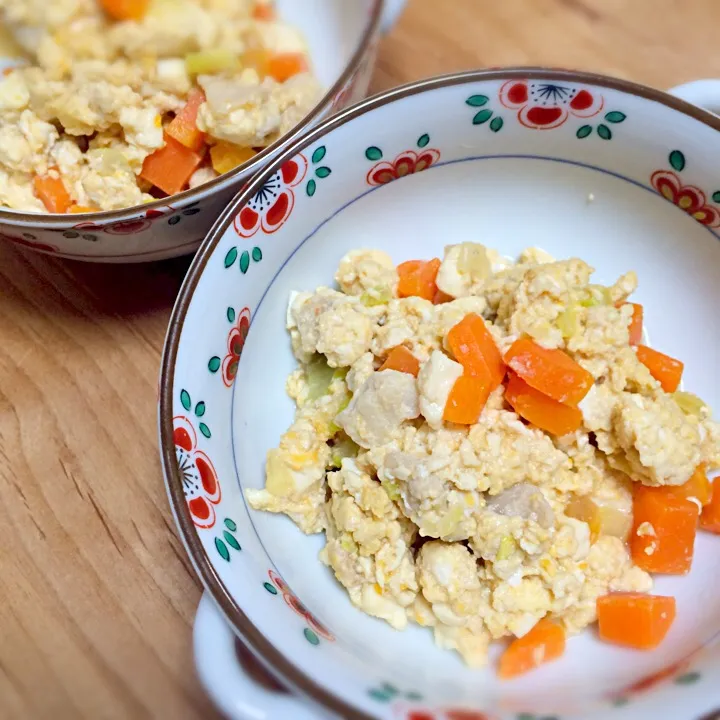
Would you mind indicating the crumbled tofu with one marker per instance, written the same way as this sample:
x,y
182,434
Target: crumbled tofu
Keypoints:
x,y
475,532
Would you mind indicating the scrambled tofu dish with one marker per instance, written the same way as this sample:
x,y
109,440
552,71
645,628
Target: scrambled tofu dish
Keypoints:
x,y
492,452
125,101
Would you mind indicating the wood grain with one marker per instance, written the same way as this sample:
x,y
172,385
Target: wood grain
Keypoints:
x,y
97,596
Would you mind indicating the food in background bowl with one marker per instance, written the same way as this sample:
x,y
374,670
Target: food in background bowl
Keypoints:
x,y
127,101
479,439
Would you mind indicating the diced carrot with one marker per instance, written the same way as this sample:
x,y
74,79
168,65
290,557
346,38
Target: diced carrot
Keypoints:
x,y
666,370
544,643
441,297
417,278
184,125
76,209
263,11
171,167
402,360
710,517
125,9
636,324
542,411
51,190
474,348
553,372
664,528
466,400
698,489
283,66
635,620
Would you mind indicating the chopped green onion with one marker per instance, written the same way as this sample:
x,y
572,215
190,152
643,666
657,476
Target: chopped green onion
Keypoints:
x,y
506,549
595,295
376,296
568,321
210,62
392,490
319,375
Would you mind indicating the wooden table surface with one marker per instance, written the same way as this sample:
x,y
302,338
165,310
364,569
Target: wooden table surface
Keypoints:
x,y
96,595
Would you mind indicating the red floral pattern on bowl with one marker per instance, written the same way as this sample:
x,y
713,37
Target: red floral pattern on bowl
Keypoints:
x,y
236,342
273,203
543,106
406,163
127,227
299,608
200,481
41,247
689,198
649,682
446,714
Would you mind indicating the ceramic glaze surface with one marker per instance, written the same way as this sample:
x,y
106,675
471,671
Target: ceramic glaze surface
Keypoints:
x,y
567,162
342,36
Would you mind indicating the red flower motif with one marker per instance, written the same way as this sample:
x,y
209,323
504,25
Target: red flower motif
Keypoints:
x,y
200,481
299,608
236,342
687,197
446,714
649,682
130,227
542,106
406,163
273,202
42,247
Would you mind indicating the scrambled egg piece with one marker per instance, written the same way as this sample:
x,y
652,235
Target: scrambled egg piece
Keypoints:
x,y
95,96
451,586
368,271
336,325
369,545
478,531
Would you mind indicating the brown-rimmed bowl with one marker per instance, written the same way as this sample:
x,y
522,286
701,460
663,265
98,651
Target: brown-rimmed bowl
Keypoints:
x,y
616,173
342,36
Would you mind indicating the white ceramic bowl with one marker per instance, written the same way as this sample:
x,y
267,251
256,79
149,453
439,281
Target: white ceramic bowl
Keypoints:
x,y
342,36
619,174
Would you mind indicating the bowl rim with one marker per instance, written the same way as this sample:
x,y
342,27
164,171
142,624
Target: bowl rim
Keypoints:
x,y
12,217
272,659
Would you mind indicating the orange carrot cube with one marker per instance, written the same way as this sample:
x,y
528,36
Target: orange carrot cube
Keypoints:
x,y
417,278
125,9
474,348
710,517
542,411
635,620
263,11
466,400
544,643
51,190
441,297
698,489
402,360
171,167
283,66
553,372
184,125
666,370
664,528
636,324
